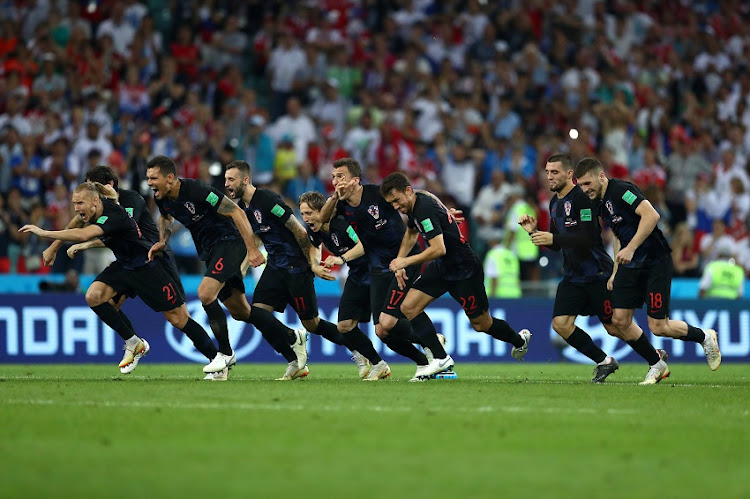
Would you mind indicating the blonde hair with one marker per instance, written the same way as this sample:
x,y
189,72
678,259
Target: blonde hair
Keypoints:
x,y
100,190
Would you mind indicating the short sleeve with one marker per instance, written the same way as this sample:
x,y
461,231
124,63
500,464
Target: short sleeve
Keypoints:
x,y
277,208
627,195
426,215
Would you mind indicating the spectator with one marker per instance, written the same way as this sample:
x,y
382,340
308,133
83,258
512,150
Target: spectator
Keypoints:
x,y
303,182
258,150
723,278
685,254
297,125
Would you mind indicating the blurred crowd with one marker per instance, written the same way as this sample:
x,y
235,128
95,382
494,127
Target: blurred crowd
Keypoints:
x,y
468,98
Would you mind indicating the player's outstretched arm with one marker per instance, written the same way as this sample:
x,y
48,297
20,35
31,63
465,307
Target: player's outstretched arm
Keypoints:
x,y
356,252
319,269
76,248
73,235
48,255
435,249
611,280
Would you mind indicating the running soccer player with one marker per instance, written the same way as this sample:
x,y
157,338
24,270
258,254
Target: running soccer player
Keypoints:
x,y
225,247
354,307
452,266
643,272
100,293
132,274
288,278
381,230
587,268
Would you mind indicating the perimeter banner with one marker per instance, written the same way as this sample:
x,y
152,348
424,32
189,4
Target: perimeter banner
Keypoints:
x,y
63,329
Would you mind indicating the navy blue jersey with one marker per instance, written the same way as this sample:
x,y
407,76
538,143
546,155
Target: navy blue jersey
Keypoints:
x,y
340,238
431,218
574,221
617,209
196,208
268,213
136,207
379,226
123,236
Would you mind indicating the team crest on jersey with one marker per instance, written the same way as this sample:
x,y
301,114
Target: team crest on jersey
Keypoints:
x,y
335,239
568,207
258,216
190,207
610,208
374,211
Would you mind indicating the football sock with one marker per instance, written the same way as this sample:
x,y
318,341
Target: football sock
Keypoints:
x,y
111,317
360,342
425,330
200,339
124,318
265,321
501,330
218,322
273,331
405,348
694,334
645,349
330,332
402,330
584,344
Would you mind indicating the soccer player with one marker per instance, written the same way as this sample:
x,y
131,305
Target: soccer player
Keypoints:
x,y
225,247
288,278
381,230
132,274
587,268
354,307
643,271
452,266
100,295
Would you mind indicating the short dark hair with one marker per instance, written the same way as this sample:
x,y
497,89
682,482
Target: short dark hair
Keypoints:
x,y
355,170
587,165
102,174
164,164
396,181
565,159
314,200
242,166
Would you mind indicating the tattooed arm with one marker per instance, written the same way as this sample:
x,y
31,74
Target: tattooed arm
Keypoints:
x,y
300,234
165,232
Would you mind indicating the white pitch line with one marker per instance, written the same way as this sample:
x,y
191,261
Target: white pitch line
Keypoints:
x,y
301,407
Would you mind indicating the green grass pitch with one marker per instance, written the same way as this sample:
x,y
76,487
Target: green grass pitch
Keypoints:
x,y
500,430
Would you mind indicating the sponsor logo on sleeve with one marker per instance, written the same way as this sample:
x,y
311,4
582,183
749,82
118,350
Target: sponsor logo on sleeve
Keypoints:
x,y
629,197
212,198
277,210
352,234
130,211
427,225
586,215
101,220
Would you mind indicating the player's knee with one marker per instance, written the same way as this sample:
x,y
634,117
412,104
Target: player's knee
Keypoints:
x,y
479,324
621,322
660,328
311,324
563,328
381,332
94,298
177,319
345,326
206,296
